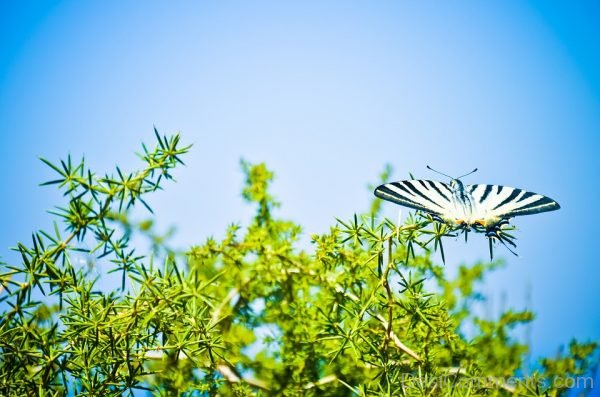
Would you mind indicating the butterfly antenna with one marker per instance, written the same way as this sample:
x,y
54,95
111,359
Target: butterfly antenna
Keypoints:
x,y
441,173
468,173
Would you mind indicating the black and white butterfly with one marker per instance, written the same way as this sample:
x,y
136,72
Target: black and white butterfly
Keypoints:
x,y
479,207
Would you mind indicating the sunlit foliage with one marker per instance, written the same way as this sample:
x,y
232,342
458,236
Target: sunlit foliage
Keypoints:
x,y
364,311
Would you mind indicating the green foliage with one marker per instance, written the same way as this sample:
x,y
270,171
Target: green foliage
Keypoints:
x,y
366,312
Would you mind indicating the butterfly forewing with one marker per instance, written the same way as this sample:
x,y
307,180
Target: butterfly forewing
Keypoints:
x,y
506,202
424,195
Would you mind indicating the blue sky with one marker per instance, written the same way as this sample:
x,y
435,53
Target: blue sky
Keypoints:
x,y
325,93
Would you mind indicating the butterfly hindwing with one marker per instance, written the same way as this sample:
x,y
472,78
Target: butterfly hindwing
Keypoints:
x,y
506,202
429,196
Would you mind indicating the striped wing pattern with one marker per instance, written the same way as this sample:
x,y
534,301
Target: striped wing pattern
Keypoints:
x,y
423,195
487,203
506,202
470,206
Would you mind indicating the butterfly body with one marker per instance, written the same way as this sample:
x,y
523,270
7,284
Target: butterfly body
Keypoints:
x,y
470,206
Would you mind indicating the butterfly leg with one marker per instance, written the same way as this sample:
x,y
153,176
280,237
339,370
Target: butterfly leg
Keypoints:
x,y
494,232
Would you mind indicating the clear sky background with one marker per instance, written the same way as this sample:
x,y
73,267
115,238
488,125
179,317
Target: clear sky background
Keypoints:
x,y
325,93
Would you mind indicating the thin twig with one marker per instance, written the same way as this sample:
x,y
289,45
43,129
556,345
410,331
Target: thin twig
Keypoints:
x,y
229,373
217,313
388,291
324,380
393,337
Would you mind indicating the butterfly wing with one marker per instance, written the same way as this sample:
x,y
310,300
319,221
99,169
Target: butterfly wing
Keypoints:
x,y
429,196
505,202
